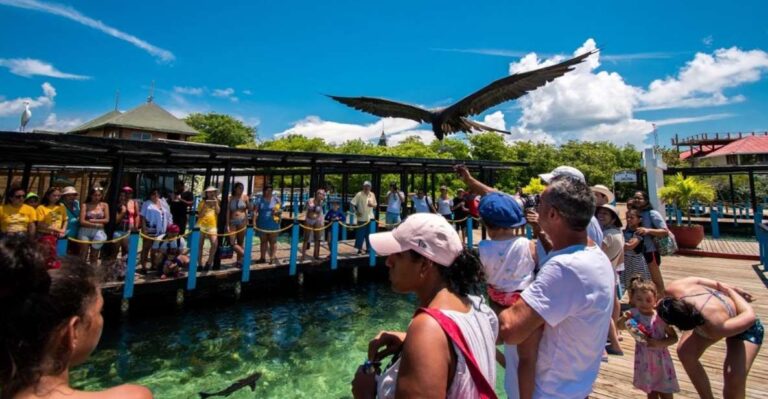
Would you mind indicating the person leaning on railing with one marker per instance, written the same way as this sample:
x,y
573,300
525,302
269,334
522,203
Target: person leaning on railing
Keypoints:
x,y
50,321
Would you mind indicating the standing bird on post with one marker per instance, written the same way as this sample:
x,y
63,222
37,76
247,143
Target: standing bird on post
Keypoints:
x,y
454,118
25,116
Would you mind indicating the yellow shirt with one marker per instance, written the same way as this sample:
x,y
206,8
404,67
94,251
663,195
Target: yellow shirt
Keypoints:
x,y
16,219
364,212
206,216
52,215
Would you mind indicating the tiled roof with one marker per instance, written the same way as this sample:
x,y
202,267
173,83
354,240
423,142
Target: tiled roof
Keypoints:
x,y
147,116
747,145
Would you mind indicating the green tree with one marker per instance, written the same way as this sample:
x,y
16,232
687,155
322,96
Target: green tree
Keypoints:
x,y
451,148
220,129
488,146
296,142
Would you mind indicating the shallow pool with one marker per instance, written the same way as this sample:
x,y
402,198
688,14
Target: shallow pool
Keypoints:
x,y
306,347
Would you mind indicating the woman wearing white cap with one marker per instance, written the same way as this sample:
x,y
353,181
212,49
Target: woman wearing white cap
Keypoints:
x,y
449,348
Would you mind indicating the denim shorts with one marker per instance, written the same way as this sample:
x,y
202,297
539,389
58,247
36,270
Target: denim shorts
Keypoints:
x,y
753,334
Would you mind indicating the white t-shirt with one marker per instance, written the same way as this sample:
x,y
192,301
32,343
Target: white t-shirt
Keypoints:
x,y
573,293
421,205
444,206
508,264
394,203
594,231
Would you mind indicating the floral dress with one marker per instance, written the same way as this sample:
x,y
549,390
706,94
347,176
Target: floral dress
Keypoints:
x,y
654,370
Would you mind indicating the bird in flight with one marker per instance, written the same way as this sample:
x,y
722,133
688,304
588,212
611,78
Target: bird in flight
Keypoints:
x,y
454,119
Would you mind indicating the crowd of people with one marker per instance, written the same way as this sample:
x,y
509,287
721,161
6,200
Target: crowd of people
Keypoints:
x,y
553,302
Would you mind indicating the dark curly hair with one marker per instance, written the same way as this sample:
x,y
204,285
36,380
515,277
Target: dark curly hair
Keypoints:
x,y
35,304
465,276
679,313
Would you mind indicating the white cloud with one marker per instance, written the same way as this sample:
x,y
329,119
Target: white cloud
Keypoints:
x,y
515,54
74,15
337,133
15,106
192,91
701,81
495,120
53,123
28,67
226,93
588,104
708,40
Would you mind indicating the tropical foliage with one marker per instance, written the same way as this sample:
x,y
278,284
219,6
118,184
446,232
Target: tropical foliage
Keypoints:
x,y
221,129
683,191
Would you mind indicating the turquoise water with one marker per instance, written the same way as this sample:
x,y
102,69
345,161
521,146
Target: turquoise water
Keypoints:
x,y
303,347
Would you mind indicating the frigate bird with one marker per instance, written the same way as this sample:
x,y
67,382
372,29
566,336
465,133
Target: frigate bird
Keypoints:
x,y
453,119
26,115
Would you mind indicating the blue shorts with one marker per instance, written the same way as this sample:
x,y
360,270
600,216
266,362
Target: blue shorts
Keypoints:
x,y
393,218
753,334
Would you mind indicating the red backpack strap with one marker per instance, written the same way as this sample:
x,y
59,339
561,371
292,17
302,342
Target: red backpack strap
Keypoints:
x,y
452,330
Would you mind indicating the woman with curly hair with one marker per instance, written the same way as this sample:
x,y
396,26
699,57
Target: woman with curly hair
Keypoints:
x,y
50,321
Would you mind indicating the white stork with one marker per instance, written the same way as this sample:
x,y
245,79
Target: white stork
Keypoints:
x,y
25,116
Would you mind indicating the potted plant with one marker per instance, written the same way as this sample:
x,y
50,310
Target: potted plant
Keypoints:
x,y
682,192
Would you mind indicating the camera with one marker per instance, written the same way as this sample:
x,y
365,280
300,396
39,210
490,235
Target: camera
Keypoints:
x,y
530,202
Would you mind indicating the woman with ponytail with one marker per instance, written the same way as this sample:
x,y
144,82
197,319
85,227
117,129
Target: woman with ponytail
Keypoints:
x,y
708,311
50,321
449,348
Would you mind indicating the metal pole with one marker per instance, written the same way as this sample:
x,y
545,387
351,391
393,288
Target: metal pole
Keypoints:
x,y
25,176
301,193
207,180
114,193
222,222
752,195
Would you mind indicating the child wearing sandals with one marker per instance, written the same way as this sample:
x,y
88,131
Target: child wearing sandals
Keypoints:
x,y
654,371
508,262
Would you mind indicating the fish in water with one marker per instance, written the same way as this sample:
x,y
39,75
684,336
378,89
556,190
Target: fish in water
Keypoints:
x,y
249,381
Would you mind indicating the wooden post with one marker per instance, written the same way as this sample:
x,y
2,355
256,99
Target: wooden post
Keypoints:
x,y
752,194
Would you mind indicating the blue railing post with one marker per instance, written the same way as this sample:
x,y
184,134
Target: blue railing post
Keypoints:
x,y
713,215
194,255
334,245
247,251
371,252
470,232
294,247
130,269
61,246
528,232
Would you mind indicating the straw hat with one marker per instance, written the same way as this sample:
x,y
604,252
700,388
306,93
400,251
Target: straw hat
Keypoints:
x,y
614,211
211,188
68,190
599,188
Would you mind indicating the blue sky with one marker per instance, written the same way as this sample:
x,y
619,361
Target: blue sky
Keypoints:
x,y
268,63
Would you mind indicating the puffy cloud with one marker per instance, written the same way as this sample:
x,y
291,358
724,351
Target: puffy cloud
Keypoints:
x,y
15,106
335,132
74,15
53,123
701,82
588,104
28,67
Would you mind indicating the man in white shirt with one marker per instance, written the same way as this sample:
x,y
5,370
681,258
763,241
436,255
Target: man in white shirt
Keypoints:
x,y
572,296
395,200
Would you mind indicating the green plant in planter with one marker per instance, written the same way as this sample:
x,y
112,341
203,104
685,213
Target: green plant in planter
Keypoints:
x,y
683,191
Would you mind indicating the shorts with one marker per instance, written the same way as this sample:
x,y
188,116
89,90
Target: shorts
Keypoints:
x,y
209,230
753,334
92,234
237,223
447,217
651,256
119,233
393,218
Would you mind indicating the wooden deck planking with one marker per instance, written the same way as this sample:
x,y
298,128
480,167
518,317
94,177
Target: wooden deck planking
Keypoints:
x,y
615,379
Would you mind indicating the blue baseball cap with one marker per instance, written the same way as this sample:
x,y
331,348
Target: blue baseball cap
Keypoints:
x,y
501,210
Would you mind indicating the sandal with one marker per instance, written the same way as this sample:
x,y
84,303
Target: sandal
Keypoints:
x,y
261,260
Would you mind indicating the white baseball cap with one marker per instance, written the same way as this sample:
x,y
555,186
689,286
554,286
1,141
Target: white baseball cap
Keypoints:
x,y
428,234
563,171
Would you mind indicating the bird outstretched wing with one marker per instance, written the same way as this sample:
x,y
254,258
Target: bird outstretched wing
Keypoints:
x,y
512,87
480,127
386,108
